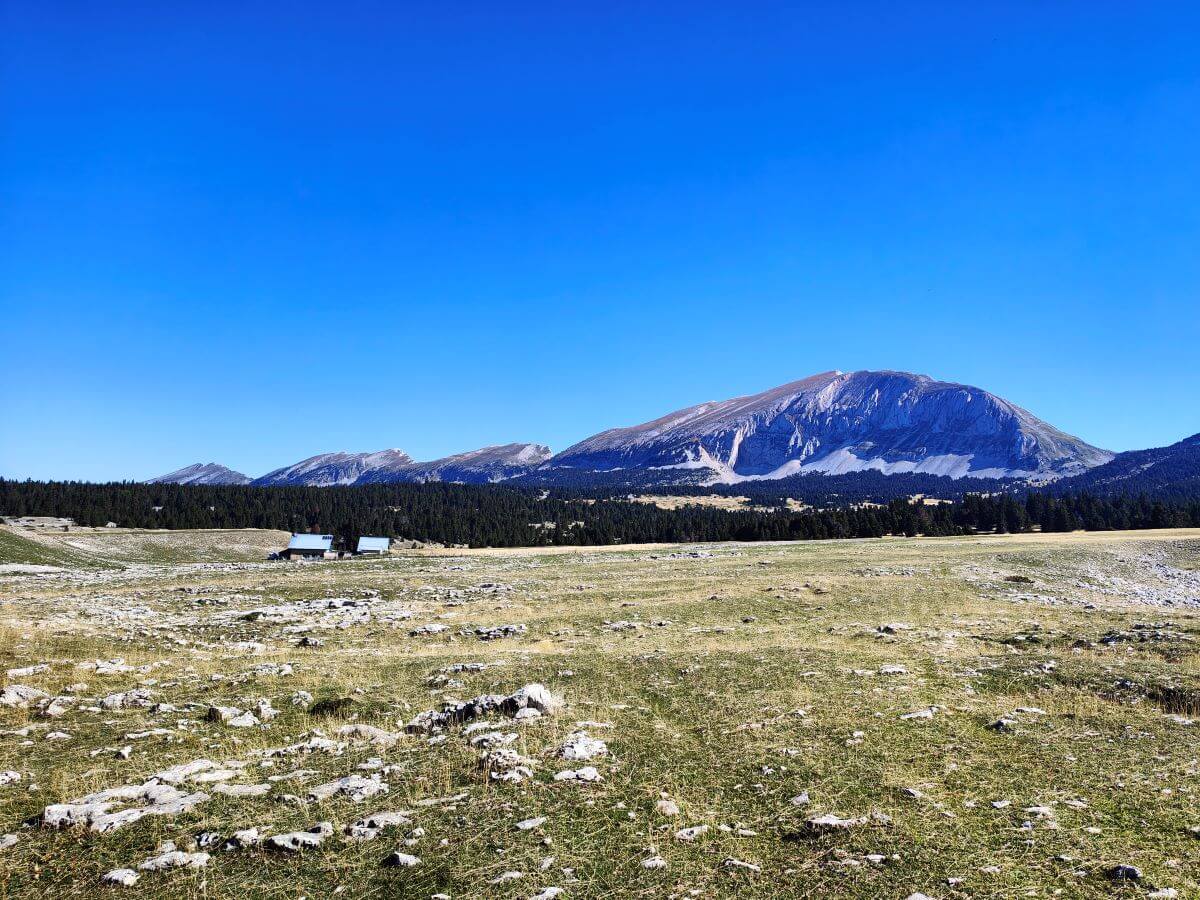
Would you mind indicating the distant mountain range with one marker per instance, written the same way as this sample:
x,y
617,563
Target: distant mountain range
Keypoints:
x,y
834,423
484,466
488,465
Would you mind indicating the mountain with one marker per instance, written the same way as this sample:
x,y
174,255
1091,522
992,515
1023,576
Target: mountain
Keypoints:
x,y
836,423
337,468
489,464
1163,472
202,473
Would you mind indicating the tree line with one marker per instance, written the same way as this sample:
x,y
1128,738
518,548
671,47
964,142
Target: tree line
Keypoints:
x,y
502,516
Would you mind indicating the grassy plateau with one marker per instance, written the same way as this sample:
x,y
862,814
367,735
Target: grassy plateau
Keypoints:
x,y
1009,716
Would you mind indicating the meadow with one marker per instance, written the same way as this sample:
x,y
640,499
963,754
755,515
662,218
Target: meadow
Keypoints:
x,y
953,717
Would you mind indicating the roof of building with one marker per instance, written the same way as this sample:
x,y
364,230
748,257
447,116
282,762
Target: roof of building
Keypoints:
x,y
310,542
374,543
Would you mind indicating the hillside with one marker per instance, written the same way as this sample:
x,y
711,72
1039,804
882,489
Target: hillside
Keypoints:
x,y
1166,473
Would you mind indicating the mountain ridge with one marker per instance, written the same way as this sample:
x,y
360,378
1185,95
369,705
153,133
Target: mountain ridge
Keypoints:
x,y
485,465
340,468
831,423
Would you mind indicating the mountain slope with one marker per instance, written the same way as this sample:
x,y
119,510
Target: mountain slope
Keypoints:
x,y
336,468
837,423
1162,472
202,473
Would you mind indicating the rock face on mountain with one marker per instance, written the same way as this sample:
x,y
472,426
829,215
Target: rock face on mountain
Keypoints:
x,y
837,423
337,468
487,465
1162,472
202,473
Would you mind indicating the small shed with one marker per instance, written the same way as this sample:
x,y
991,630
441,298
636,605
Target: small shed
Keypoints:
x,y
375,546
309,546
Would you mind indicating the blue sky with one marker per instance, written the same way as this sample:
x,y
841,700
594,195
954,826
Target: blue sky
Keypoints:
x,y
250,233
